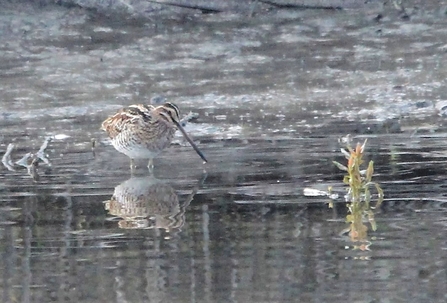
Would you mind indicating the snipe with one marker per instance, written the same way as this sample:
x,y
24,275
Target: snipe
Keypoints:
x,y
143,131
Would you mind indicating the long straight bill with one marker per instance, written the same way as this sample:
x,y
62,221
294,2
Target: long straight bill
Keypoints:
x,y
191,142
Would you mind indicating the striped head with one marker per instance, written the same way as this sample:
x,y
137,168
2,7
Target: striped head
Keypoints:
x,y
169,112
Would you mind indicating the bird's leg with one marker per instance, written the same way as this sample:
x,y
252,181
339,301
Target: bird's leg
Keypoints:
x,y
132,166
150,165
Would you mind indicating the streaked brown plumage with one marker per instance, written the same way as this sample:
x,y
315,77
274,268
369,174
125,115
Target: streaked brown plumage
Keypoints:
x,y
143,131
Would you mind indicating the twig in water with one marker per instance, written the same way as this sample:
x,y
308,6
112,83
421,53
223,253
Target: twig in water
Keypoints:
x,y
93,140
24,161
6,159
41,152
30,162
32,169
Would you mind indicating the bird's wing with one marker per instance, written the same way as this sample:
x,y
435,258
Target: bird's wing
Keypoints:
x,y
127,117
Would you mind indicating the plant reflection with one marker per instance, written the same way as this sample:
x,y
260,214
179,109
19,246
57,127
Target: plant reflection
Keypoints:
x,y
359,213
147,202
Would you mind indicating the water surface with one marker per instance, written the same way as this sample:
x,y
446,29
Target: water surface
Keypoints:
x,y
274,94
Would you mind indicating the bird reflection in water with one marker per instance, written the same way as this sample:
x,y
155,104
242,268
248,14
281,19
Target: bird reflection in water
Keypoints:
x,y
147,202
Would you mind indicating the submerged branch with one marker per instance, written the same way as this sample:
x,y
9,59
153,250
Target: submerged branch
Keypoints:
x,y
30,161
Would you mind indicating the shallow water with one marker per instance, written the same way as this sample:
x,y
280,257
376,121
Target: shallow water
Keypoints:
x,y
274,94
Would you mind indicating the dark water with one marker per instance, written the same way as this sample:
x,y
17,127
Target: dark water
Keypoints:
x,y
274,94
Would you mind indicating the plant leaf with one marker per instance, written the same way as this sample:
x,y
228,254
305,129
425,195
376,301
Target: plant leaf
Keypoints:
x,y
367,196
345,153
362,148
346,180
369,171
379,190
340,166
372,221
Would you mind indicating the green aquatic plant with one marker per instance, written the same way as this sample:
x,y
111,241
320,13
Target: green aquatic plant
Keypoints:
x,y
359,194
